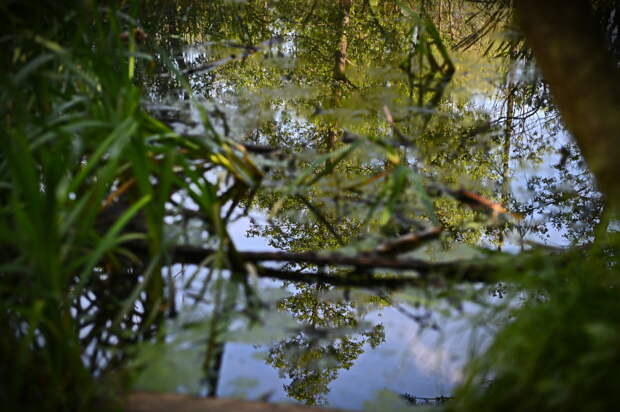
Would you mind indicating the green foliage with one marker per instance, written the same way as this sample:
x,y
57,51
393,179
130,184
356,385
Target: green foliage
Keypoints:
x,y
84,171
559,350
64,144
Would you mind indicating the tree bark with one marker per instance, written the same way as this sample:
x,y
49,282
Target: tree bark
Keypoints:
x,y
584,79
343,43
340,64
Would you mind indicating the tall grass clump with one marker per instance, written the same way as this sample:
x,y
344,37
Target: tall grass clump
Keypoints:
x,y
76,144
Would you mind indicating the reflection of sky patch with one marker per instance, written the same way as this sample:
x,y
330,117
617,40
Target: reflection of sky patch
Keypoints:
x,y
407,362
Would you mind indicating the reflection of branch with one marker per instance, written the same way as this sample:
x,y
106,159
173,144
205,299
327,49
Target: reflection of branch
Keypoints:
x,y
477,202
404,140
421,400
407,242
427,272
247,51
470,271
333,258
335,280
322,219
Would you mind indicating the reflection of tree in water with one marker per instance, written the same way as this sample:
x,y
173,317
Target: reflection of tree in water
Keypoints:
x,y
330,40
461,145
331,338
347,54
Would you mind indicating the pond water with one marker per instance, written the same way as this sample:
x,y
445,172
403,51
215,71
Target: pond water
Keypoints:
x,y
425,362
362,119
392,349
413,359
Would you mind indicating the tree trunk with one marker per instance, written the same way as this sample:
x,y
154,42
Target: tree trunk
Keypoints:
x,y
508,131
584,80
340,63
343,42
